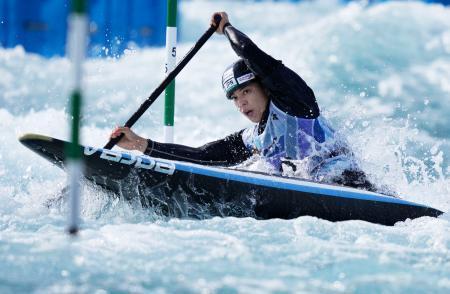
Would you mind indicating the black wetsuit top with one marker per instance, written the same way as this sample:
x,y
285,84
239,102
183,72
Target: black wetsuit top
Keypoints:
x,y
284,87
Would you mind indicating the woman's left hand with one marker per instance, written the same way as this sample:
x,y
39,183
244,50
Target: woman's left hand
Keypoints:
x,y
223,21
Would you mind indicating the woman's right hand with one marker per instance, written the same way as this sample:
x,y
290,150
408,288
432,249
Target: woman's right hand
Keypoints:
x,y
130,140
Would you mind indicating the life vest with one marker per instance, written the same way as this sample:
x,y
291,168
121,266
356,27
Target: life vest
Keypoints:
x,y
286,137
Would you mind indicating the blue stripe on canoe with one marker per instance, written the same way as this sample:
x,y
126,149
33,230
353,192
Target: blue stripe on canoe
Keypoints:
x,y
313,188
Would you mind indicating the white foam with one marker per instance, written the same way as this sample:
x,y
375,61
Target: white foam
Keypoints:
x,y
395,53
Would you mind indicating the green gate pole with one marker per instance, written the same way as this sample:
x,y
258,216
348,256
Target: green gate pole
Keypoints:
x,y
171,47
77,41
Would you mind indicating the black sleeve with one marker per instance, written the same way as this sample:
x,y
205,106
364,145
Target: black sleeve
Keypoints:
x,y
226,152
287,90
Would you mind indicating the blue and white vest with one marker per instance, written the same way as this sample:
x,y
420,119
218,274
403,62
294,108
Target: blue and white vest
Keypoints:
x,y
287,137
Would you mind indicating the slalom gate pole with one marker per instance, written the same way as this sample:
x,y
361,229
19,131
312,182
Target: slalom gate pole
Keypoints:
x,y
171,59
170,77
77,41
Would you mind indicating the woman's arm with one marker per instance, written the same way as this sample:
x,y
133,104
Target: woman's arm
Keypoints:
x,y
225,152
287,90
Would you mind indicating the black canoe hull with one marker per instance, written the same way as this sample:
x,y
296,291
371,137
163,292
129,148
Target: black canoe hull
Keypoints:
x,y
187,190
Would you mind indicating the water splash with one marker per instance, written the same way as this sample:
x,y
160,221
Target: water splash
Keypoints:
x,y
380,74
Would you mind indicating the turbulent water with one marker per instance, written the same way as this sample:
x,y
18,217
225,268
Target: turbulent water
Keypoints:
x,y
381,75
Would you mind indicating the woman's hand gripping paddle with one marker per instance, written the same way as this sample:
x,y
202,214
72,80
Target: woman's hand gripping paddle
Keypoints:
x,y
170,77
147,103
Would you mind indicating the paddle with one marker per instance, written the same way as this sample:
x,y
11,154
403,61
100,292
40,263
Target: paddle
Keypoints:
x,y
149,101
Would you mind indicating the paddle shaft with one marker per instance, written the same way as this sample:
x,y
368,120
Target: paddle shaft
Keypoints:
x,y
170,77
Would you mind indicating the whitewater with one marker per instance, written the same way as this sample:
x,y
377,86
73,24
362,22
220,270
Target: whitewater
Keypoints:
x,y
381,75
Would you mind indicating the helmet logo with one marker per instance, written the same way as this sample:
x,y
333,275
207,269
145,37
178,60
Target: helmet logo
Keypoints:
x,y
245,78
228,80
229,84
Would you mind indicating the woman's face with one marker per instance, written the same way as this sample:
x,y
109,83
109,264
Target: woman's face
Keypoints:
x,y
251,101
